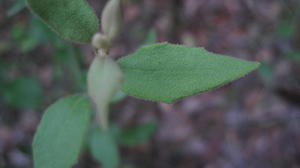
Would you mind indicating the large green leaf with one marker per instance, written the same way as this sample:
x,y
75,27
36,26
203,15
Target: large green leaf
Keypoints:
x,y
166,72
72,19
104,148
60,135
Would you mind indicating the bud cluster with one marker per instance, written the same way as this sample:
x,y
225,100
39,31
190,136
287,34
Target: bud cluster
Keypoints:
x,y
111,24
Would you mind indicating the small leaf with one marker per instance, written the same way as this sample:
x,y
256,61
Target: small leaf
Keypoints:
x,y
266,71
294,55
18,6
24,38
286,29
150,37
166,72
72,19
139,134
24,92
61,133
104,80
104,148
119,96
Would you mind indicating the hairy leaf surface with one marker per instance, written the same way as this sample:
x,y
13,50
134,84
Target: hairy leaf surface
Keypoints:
x,y
166,72
61,132
72,19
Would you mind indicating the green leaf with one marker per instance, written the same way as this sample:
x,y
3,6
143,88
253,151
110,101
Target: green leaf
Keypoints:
x,y
166,72
119,96
18,32
24,92
72,19
151,37
26,40
286,29
18,6
61,133
294,55
266,71
139,134
104,148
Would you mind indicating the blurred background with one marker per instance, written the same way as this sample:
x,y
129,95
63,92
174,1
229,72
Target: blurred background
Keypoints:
x,y
253,122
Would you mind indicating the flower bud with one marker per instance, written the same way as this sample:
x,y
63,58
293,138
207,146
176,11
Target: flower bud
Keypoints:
x,y
104,80
101,41
112,18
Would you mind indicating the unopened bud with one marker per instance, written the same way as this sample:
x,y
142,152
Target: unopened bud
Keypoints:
x,y
104,80
101,42
112,18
